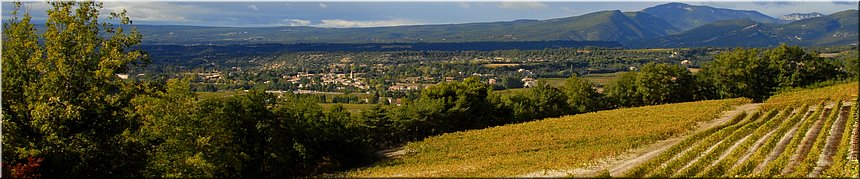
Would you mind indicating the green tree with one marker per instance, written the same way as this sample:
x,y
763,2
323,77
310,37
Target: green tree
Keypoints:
x,y
664,83
67,106
548,101
794,67
511,82
581,95
623,92
741,73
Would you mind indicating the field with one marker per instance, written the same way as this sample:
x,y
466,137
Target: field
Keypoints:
x,y
549,144
803,133
496,65
785,142
353,108
842,92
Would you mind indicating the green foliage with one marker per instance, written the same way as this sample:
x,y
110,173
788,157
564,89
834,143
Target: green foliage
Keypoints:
x,y
664,83
581,95
63,101
757,74
623,91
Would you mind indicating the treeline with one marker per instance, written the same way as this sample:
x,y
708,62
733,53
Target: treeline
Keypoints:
x,y
66,113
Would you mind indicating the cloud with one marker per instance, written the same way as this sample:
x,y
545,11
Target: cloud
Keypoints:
x,y
323,5
773,3
850,3
158,11
464,4
568,10
522,5
253,7
294,22
339,23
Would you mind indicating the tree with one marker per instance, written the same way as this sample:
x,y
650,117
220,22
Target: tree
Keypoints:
x,y
548,101
581,95
511,82
67,104
794,67
623,92
664,83
741,73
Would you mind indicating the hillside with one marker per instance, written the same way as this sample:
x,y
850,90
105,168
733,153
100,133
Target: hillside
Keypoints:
x,y
727,33
811,139
686,17
835,29
555,143
646,142
597,26
800,16
666,25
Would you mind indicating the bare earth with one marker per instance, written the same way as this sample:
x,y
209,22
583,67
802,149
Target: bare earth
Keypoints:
x,y
618,165
805,145
833,139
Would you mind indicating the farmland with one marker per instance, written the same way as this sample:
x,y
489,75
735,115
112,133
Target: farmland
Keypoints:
x,y
555,143
800,133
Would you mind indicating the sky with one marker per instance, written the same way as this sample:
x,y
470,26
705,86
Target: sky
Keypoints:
x,y
342,14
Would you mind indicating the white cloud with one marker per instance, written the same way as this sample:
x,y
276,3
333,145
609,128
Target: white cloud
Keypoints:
x,y
521,5
339,23
294,22
158,11
253,7
568,10
464,4
323,5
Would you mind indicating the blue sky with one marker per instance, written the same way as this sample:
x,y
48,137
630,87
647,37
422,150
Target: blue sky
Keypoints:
x,y
369,14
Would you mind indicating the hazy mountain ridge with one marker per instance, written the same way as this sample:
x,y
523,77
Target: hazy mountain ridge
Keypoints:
x,y
800,16
836,29
666,25
687,16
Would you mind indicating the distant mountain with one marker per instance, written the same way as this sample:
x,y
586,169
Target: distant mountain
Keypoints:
x,y
727,33
800,16
666,25
836,29
686,17
653,24
597,26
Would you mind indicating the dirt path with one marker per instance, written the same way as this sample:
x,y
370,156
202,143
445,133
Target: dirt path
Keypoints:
x,y
833,138
617,166
805,145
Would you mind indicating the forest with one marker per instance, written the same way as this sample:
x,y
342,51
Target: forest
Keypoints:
x,y
63,104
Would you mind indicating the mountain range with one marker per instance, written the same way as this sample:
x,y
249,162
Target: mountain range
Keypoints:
x,y
665,25
800,16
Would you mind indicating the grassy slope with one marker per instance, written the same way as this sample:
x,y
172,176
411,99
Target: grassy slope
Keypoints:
x,y
554,143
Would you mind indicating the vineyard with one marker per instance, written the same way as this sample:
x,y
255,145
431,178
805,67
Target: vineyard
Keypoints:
x,y
553,143
801,133
818,140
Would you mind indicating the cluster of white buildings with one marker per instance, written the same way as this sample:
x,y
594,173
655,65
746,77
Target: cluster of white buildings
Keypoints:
x,y
329,79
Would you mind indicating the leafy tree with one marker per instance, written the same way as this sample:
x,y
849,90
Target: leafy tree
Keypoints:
x,y
741,73
66,104
623,92
548,101
664,83
581,95
511,82
794,67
